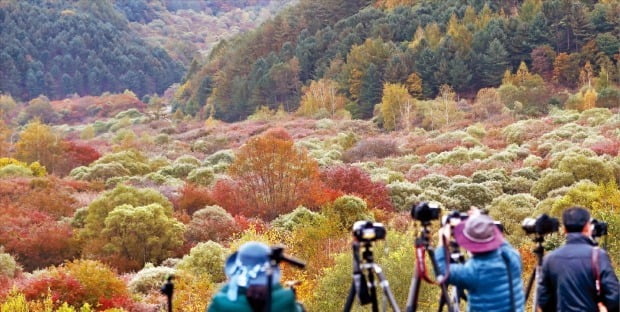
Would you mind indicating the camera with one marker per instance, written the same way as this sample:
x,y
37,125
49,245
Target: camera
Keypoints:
x,y
454,218
599,228
368,231
425,212
542,225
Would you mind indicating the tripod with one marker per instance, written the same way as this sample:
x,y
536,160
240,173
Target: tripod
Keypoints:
x,y
422,245
367,292
539,251
456,294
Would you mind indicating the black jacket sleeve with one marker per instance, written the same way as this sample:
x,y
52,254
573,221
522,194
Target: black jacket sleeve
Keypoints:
x,y
609,284
545,292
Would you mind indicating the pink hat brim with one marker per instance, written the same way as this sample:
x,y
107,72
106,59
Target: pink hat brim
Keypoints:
x,y
476,247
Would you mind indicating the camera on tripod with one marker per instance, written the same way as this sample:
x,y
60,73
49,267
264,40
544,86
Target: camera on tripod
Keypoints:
x,y
542,225
368,231
599,228
454,218
425,212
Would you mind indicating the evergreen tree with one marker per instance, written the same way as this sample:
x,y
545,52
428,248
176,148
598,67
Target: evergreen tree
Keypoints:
x,y
371,91
495,63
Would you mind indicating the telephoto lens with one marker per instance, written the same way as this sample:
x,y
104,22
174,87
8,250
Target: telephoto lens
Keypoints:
x,y
542,225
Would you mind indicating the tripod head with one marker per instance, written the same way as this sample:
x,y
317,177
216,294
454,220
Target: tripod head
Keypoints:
x,y
277,255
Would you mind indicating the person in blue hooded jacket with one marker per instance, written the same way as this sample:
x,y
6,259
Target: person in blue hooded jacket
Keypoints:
x,y
246,288
485,275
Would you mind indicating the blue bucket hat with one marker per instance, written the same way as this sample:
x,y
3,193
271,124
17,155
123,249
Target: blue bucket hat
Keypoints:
x,y
248,266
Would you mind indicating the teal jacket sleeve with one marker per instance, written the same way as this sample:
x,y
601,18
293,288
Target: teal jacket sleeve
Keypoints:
x,y
461,275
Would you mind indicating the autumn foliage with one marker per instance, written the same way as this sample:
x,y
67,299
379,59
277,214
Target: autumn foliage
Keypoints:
x,y
355,181
272,175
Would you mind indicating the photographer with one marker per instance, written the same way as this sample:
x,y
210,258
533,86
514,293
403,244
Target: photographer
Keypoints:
x,y
246,289
569,274
492,276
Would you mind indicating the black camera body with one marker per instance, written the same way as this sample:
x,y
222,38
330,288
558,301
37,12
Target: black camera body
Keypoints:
x,y
599,228
542,225
425,212
368,231
454,218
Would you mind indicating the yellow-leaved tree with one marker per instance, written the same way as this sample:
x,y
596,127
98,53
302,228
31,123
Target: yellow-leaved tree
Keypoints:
x,y
321,96
397,107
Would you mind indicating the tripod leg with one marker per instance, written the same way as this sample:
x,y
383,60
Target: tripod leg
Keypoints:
x,y
373,291
444,287
537,275
385,285
530,282
350,298
414,291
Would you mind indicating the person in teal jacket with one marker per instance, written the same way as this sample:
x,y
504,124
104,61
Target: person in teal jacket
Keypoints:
x,y
246,288
485,274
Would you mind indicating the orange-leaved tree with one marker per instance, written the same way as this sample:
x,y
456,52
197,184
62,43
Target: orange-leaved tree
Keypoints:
x,y
273,176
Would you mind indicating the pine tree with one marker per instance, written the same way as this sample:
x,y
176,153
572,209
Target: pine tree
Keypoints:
x,y
495,62
370,93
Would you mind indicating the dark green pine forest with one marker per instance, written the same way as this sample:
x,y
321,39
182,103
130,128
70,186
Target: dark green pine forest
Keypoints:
x,y
362,44
59,48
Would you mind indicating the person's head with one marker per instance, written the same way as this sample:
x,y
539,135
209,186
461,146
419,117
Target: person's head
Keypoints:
x,y
248,268
478,234
576,220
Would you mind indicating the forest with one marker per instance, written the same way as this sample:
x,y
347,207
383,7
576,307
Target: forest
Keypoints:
x,y
328,113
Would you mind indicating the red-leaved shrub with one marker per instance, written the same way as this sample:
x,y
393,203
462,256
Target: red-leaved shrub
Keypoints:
x,y
355,181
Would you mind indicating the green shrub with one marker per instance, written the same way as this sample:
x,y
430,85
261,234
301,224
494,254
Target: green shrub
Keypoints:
x,y
13,171
435,180
149,279
551,179
477,131
206,259
403,194
220,157
591,168
533,161
526,172
8,265
510,210
187,159
522,130
518,185
301,216
132,161
347,209
386,175
202,176
162,139
468,195
498,175
561,116
595,116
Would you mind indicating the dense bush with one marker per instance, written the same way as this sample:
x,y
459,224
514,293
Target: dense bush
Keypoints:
x,y
591,168
551,179
201,176
403,194
206,259
211,223
299,217
467,195
371,149
347,209
149,279
355,181
8,265
510,210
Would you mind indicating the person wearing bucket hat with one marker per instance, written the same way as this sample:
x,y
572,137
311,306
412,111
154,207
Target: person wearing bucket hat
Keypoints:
x,y
246,288
492,275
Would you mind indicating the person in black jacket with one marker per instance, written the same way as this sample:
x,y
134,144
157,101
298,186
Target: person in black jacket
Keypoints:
x,y
568,281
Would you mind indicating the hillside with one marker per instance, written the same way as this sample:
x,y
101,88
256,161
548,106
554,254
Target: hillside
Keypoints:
x,y
188,29
59,48
197,178
328,113
421,45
